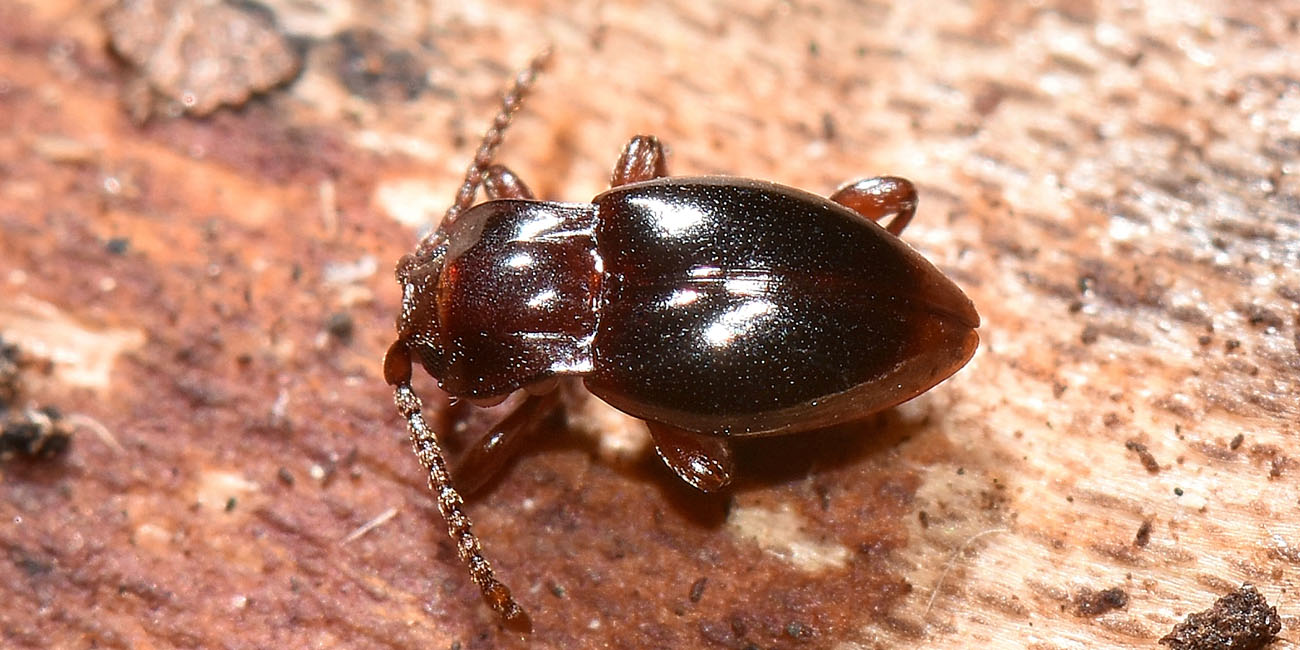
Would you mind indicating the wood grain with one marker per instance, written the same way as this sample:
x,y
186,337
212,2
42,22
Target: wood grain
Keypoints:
x,y
1116,186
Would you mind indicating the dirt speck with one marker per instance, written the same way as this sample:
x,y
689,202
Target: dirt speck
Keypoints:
x,y
1143,536
1144,454
1090,603
1241,620
340,327
38,434
10,374
697,589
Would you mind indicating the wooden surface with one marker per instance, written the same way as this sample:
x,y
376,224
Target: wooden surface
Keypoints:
x,y
1115,185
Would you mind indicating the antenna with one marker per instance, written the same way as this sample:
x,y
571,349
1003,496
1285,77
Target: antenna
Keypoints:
x,y
397,372
487,147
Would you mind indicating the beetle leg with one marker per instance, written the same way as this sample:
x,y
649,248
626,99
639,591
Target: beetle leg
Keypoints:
x,y
702,460
642,160
500,432
501,183
879,197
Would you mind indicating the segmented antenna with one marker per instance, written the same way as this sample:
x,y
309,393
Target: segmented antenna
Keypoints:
x,y
425,445
397,372
487,147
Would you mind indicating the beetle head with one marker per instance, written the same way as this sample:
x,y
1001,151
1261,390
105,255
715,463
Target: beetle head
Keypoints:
x,y
418,324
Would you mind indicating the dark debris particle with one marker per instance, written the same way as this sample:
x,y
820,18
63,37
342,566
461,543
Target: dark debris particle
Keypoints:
x,y
1143,536
1144,454
1089,335
32,567
1275,467
697,589
1178,491
1241,620
828,127
1235,444
1258,315
117,245
340,326
371,67
38,435
797,630
1095,603
11,385
285,476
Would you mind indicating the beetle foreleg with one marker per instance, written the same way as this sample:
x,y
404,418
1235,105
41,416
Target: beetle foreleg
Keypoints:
x,y
501,183
642,160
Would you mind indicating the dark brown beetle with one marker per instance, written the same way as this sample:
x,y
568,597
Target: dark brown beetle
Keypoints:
x,y
710,307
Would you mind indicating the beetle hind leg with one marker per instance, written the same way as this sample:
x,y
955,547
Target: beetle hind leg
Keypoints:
x,y
879,197
702,460
642,160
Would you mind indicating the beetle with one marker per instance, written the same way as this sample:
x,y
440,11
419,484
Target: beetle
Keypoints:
x,y
709,307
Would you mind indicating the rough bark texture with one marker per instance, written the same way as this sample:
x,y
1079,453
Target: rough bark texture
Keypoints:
x,y
1116,186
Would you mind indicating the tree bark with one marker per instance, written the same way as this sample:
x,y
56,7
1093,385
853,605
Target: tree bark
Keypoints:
x,y
1115,185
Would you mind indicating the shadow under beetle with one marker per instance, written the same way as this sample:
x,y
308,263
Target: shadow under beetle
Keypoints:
x,y
710,307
